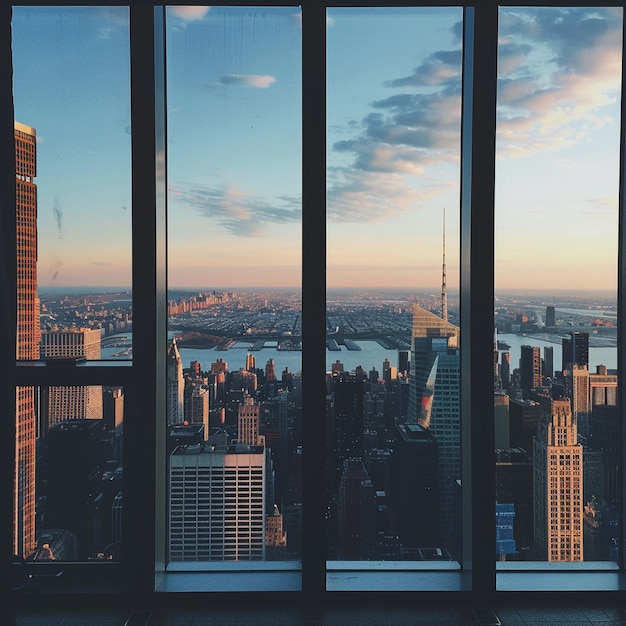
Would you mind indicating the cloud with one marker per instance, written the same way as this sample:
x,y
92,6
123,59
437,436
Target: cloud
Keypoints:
x,y
358,196
247,80
188,13
399,146
558,70
440,68
235,211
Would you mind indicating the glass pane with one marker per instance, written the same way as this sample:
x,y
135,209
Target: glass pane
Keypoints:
x,y
72,105
72,140
393,410
234,267
69,494
557,417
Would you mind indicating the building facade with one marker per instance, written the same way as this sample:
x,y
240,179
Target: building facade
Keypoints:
x,y
28,337
558,484
216,503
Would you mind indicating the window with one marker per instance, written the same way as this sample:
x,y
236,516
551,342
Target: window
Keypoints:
x,y
169,533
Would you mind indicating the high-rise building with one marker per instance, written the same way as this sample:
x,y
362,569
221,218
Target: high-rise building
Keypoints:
x,y
270,373
175,385
71,402
558,484
505,369
356,513
530,368
414,486
217,493
197,407
434,401
248,422
550,317
548,363
502,424
28,337
575,349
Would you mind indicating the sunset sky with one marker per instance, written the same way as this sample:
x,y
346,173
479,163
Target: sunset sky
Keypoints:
x,y
234,121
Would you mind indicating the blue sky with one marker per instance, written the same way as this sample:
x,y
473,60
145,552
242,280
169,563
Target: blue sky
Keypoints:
x,y
393,145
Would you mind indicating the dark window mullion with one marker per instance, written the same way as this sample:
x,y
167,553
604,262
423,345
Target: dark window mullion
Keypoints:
x,y
478,133
149,308
313,294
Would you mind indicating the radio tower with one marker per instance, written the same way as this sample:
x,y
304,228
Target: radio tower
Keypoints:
x,y
444,293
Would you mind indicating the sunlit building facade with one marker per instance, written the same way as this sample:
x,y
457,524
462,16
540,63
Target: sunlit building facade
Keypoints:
x,y
217,502
558,484
28,337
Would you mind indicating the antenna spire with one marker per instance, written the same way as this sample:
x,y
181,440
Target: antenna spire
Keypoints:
x,y
444,292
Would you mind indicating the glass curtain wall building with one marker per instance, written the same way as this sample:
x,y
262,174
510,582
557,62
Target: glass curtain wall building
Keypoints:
x,y
211,222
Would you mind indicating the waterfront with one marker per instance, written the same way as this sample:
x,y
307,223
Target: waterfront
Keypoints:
x,y
371,354
605,355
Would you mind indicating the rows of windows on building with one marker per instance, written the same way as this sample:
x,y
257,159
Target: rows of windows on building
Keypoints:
x,y
393,474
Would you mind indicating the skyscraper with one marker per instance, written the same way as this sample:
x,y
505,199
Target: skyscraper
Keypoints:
x,y
575,349
73,402
217,493
530,368
175,385
558,484
434,401
248,422
28,337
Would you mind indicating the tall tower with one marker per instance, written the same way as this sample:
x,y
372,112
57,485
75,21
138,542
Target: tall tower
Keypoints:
x,y
175,385
558,484
28,337
434,402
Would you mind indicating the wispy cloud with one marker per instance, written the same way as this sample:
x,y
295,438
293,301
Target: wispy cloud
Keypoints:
x,y
239,213
398,146
248,80
558,71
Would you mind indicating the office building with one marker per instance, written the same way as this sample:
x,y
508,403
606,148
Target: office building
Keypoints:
x,y
548,363
434,401
216,507
414,486
71,402
575,349
550,317
248,422
558,484
28,337
175,385
501,416
196,406
530,368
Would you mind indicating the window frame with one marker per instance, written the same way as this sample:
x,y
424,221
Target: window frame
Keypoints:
x,y
145,436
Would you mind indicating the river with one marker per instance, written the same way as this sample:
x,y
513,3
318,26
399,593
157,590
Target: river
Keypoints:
x,y
372,354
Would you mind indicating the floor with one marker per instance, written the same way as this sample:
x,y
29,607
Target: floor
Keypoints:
x,y
339,615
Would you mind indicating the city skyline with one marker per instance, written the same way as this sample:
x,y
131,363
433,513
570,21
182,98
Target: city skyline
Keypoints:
x,y
390,175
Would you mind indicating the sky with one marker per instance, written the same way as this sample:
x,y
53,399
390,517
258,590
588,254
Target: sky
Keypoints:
x,y
234,145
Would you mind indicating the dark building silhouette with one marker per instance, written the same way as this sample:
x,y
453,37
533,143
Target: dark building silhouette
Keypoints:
x,y
414,486
575,349
514,485
75,461
530,368
523,420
